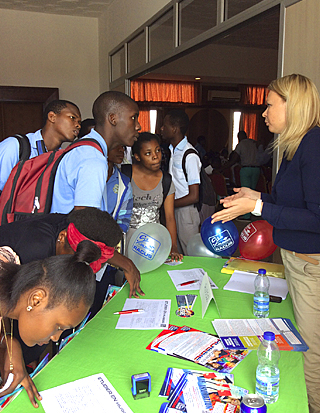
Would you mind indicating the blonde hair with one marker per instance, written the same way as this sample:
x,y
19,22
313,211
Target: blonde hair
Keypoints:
x,y
302,110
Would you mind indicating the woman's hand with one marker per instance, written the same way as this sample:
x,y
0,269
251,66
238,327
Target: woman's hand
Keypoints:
x,y
234,208
20,375
175,255
242,192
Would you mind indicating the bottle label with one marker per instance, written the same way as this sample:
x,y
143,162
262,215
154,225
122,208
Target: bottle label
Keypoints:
x,y
268,387
261,303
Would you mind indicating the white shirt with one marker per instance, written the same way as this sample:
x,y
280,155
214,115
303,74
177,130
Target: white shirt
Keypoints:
x,y
193,166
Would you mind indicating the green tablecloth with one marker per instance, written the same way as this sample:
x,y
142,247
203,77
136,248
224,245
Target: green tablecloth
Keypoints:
x,y
100,348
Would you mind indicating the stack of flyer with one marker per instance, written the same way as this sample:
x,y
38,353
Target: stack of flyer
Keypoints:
x,y
238,334
195,391
193,345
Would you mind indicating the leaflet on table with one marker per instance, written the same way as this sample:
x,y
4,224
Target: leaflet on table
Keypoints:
x,y
197,346
242,264
247,333
179,277
244,282
173,375
91,394
156,314
195,393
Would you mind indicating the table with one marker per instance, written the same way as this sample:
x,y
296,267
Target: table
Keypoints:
x,y
100,348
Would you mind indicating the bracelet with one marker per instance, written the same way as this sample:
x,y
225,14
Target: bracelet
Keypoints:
x,y
6,334
258,208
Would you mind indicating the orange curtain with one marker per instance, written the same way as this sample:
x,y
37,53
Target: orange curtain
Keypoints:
x,y
255,95
163,91
144,120
249,123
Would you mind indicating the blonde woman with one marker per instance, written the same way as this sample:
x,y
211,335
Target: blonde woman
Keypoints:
x,y
293,208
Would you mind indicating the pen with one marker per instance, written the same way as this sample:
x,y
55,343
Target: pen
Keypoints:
x,y
129,311
187,283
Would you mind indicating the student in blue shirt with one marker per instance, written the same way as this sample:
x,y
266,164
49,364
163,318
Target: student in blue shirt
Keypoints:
x,y
61,123
82,173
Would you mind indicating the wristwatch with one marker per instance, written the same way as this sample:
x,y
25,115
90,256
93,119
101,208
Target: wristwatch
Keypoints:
x,y
257,208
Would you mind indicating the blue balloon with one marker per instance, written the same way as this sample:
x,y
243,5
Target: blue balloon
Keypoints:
x,y
221,239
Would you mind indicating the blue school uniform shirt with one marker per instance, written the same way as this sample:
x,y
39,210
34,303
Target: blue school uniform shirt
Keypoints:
x,y
9,154
81,178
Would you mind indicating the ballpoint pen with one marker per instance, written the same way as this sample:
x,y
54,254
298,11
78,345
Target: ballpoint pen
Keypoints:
x,y
129,311
187,283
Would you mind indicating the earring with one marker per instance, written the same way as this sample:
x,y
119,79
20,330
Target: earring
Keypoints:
x,y
29,308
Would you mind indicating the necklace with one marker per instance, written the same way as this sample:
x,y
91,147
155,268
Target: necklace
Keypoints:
x,y
5,336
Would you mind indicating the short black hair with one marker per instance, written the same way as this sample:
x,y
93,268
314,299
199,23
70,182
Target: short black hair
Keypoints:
x,y
96,225
86,126
242,135
109,102
68,278
178,117
56,106
142,138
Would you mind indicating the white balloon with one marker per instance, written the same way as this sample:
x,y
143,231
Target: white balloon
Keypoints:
x,y
196,248
149,247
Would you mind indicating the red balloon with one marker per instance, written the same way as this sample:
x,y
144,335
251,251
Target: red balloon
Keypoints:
x,y
256,241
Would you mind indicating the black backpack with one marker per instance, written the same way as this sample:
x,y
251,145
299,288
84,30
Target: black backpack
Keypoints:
x,y
207,194
24,147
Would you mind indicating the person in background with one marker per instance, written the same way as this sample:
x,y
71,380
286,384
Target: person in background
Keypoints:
x,y
61,123
293,208
45,297
245,153
148,182
174,127
119,206
201,146
86,126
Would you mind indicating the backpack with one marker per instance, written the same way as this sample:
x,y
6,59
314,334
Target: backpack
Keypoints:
x,y
207,194
29,188
25,148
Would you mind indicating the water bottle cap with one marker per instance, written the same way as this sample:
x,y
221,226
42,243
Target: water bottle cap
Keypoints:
x,y
269,336
262,271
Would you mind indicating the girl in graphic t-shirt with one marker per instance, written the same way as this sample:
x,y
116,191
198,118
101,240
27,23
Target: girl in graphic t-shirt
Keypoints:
x,y
148,187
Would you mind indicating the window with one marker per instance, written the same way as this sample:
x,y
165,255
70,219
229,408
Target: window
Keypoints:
x,y
235,128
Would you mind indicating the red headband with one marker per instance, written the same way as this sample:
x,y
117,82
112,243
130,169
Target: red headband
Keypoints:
x,y
74,237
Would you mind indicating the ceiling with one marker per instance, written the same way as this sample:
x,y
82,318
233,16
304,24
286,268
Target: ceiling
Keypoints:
x,y
86,8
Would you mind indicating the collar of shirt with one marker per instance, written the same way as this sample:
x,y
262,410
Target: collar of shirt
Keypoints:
x,y
34,137
95,135
181,145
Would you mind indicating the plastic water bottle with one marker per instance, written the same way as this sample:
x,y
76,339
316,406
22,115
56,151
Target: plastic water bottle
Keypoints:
x,y
261,295
267,375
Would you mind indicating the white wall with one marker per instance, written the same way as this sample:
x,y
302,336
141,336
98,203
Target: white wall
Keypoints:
x,y
302,40
122,19
46,50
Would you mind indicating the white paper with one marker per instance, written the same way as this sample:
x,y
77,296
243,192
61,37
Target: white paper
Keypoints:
x,y
244,282
172,263
91,394
182,276
206,294
156,314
